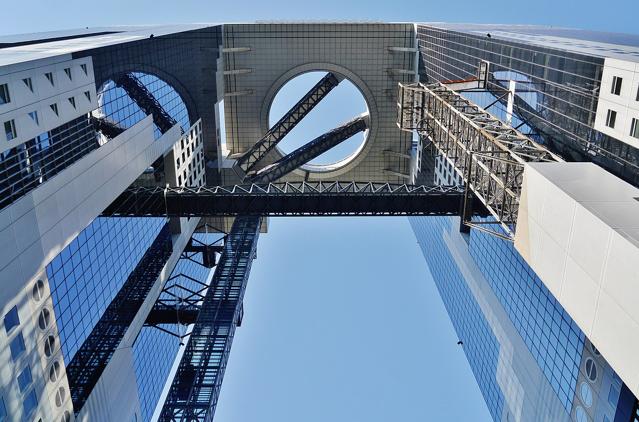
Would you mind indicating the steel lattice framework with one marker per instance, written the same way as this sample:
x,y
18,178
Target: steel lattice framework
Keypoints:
x,y
307,152
107,127
248,160
291,198
91,359
195,388
146,101
486,153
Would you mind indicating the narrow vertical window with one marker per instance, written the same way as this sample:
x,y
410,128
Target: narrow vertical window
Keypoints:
x,y
4,94
34,117
72,101
616,85
88,95
84,68
10,130
49,77
634,128
67,70
28,83
54,108
637,97
611,118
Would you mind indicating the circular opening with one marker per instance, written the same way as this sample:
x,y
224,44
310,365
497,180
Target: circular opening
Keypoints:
x,y
591,369
49,346
44,319
66,417
38,290
586,394
54,372
342,104
59,396
580,414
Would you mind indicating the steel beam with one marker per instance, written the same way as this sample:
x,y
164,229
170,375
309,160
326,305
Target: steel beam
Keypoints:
x,y
248,160
311,150
291,199
146,101
195,388
87,365
488,154
106,127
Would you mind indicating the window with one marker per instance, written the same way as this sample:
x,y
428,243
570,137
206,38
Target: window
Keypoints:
x,y
49,346
586,394
67,70
66,417
28,83
34,117
634,128
54,372
11,319
24,379
72,101
611,118
60,395
49,77
44,319
54,107
591,369
88,95
38,290
4,94
637,97
3,410
613,396
10,129
616,85
84,68
17,346
30,402
580,414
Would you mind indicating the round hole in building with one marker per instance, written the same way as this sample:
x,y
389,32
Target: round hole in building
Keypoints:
x,y
342,104
38,290
581,415
66,417
44,319
49,346
54,371
591,369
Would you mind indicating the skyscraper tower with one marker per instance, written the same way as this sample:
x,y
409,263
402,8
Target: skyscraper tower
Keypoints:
x,y
131,205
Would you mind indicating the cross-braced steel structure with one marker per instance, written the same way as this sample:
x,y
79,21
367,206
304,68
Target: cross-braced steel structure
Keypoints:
x,y
257,152
194,391
291,198
486,153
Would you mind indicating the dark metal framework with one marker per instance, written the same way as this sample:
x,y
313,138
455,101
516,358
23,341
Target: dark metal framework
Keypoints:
x,y
248,160
307,152
106,127
291,198
146,101
195,388
91,359
485,152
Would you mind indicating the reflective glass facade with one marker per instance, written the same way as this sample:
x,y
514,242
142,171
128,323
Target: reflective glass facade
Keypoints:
x,y
565,87
85,277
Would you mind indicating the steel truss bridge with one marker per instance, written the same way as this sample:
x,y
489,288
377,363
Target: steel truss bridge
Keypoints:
x,y
487,154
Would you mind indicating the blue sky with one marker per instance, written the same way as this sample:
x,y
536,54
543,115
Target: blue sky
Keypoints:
x,y
342,320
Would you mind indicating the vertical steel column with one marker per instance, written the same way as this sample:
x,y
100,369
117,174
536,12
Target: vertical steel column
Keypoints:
x,y
195,388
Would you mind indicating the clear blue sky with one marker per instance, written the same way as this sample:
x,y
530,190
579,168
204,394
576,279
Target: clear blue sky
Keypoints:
x,y
342,320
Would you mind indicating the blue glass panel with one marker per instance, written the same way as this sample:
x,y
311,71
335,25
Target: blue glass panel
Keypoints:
x,y
17,346
11,319
24,379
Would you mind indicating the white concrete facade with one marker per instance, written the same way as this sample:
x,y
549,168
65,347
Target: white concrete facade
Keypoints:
x,y
625,104
578,229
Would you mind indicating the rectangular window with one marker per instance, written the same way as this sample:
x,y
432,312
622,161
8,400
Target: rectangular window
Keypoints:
x,y
28,83
17,347
613,396
10,130
4,94
72,101
3,410
611,118
54,107
30,402
67,70
88,95
616,85
84,68
24,379
634,128
11,319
